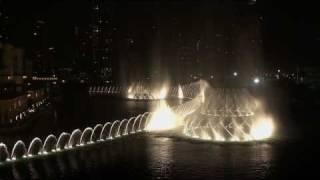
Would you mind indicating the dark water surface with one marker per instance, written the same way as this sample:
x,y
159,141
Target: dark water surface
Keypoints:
x,y
159,157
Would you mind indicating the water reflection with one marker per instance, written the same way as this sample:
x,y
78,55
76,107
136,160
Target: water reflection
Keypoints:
x,y
151,157
160,156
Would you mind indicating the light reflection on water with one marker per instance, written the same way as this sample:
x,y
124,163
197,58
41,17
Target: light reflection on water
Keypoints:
x,y
160,156
150,157
194,159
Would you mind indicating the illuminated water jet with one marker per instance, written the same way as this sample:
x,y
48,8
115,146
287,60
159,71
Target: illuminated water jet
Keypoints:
x,y
140,91
163,93
180,93
162,119
77,139
228,114
262,128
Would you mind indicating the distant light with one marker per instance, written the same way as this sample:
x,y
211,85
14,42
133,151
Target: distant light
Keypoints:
x,y
211,76
63,81
256,80
279,71
24,77
35,34
9,77
28,95
235,73
54,82
51,48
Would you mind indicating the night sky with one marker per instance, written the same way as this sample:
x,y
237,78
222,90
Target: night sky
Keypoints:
x,y
290,31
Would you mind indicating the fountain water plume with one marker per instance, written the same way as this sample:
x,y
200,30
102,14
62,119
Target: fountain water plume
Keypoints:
x,y
163,119
86,136
113,133
74,138
35,147
96,133
105,131
119,132
62,142
227,114
105,90
138,118
19,150
49,144
180,93
141,91
144,118
4,153
130,121
262,128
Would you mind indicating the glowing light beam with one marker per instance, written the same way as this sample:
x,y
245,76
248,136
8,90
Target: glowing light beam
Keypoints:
x,y
162,119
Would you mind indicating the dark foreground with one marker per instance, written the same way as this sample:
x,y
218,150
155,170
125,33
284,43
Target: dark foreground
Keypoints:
x,y
159,157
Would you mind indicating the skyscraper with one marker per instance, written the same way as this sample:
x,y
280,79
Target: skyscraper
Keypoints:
x,y
100,43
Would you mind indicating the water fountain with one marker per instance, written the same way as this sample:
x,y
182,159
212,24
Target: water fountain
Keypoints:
x,y
141,91
215,114
105,90
76,139
228,114
211,114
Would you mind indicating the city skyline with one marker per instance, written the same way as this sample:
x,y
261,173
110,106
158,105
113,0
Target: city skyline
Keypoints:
x,y
146,18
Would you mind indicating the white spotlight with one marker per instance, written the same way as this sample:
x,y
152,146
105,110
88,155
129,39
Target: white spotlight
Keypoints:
x,y
256,80
235,74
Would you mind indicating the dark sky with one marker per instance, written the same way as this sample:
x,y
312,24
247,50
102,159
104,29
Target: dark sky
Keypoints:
x,y
60,17
290,30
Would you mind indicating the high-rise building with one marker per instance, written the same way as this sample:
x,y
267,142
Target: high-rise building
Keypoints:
x,y
100,42
93,45
4,22
40,51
